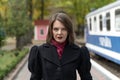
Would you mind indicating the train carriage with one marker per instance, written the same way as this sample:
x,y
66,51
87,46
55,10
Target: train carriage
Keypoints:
x,y
102,34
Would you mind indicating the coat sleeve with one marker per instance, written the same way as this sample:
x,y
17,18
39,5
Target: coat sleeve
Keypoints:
x,y
34,64
85,64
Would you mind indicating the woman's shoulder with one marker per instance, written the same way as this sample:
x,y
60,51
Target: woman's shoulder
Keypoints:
x,y
34,48
75,46
84,49
37,47
85,52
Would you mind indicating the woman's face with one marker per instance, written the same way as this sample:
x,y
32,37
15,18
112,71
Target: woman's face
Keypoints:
x,y
59,32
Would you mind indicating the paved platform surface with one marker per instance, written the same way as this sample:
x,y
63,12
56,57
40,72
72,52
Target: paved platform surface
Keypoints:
x,y
24,74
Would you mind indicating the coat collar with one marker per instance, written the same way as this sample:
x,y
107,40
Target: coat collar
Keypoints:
x,y
70,53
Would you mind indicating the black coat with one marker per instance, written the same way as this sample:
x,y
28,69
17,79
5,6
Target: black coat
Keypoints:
x,y
44,63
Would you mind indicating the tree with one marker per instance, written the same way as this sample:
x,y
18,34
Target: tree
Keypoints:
x,y
3,18
39,9
19,23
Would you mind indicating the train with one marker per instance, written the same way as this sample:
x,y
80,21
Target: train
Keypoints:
x,y
102,31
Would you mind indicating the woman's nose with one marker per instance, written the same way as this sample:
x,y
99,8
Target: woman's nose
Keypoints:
x,y
59,31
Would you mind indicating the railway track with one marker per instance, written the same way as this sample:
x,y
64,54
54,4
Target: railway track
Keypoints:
x,y
110,66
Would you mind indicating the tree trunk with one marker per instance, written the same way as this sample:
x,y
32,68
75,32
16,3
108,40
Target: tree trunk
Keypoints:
x,y
19,42
24,40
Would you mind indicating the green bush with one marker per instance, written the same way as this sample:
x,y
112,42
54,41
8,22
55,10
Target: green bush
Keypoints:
x,y
2,53
9,60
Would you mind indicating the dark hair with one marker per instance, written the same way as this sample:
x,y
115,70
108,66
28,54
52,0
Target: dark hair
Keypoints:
x,y
66,21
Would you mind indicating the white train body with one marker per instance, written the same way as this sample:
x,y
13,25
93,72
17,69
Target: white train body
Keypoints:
x,y
102,34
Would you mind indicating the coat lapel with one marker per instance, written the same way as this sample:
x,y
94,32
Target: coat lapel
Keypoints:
x,y
71,53
50,54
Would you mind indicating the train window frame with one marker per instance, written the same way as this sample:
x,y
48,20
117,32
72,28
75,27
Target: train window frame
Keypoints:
x,y
108,21
117,19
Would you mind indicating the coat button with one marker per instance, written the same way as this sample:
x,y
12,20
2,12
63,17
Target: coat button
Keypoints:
x,y
59,69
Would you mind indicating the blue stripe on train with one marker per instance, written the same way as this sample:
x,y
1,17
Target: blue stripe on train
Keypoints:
x,y
107,42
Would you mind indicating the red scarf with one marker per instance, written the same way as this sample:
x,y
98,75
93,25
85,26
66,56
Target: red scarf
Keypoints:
x,y
60,47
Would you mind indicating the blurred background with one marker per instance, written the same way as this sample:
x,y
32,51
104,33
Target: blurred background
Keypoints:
x,y
24,23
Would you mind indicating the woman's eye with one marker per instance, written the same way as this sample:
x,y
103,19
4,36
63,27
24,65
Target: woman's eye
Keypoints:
x,y
64,29
55,29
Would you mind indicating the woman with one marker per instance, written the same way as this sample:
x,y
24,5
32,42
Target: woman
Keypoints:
x,y
59,57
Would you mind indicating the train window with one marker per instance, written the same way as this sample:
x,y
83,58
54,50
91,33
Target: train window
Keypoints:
x,y
117,20
100,18
90,25
108,21
95,24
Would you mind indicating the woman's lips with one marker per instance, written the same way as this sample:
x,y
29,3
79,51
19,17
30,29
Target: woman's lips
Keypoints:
x,y
59,37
